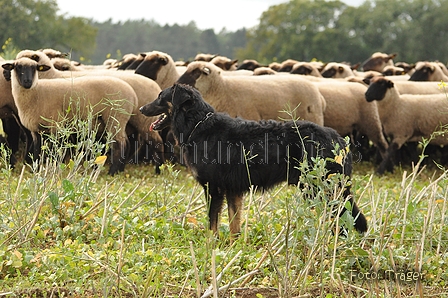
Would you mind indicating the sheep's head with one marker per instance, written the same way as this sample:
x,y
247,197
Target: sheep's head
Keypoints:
x,y
393,71
195,71
249,64
378,61
336,70
204,57
225,63
25,71
378,87
423,71
153,63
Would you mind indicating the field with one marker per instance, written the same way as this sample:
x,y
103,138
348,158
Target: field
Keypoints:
x,y
70,230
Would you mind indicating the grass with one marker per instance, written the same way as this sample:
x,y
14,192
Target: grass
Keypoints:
x,y
86,234
67,229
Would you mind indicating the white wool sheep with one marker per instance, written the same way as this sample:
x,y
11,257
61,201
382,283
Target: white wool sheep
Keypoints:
x,y
146,90
263,70
225,63
256,97
378,61
337,70
428,71
306,68
287,65
392,70
250,64
407,117
6,98
39,101
408,68
204,57
160,67
126,60
347,111
418,87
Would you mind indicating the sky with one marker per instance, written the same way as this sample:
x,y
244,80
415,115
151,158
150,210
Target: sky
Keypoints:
x,y
229,14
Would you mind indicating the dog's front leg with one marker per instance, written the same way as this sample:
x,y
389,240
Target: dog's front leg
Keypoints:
x,y
234,208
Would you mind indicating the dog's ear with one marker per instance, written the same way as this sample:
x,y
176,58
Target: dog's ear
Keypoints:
x,y
181,94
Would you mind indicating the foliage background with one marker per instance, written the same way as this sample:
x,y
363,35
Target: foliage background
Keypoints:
x,y
299,29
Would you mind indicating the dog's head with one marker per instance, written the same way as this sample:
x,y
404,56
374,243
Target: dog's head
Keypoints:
x,y
162,106
176,97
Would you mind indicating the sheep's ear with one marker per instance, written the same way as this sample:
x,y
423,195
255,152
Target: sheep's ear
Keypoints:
x,y
206,70
164,60
35,57
340,69
43,67
389,84
366,81
8,66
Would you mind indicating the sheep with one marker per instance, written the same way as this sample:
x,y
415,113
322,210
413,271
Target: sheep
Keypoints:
x,y
418,87
378,61
52,53
160,67
428,71
275,65
306,68
287,65
204,57
347,111
10,115
250,64
146,91
126,60
110,62
41,101
263,70
255,97
337,70
407,117
392,70
408,68
225,63
64,64
136,62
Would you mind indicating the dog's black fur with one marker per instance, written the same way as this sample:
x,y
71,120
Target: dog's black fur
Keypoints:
x,y
228,155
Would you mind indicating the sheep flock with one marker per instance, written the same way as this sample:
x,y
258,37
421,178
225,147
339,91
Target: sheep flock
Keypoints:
x,y
386,108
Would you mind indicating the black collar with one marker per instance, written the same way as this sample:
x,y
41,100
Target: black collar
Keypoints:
x,y
209,114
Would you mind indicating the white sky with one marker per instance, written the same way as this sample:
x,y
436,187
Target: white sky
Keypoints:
x,y
231,14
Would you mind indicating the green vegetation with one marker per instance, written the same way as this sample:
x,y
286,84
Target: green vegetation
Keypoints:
x,y
68,227
298,29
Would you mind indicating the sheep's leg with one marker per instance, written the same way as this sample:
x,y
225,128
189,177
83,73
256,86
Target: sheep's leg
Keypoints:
x,y
216,199
234,208
388,162
118,156
36,145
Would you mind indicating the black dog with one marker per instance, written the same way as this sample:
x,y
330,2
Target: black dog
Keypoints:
x,y
228,155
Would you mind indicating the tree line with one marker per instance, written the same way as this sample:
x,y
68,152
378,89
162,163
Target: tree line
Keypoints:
x,y
298,29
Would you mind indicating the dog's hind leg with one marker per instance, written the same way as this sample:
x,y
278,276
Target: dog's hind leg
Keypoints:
x,y
234,208
360,219
216,199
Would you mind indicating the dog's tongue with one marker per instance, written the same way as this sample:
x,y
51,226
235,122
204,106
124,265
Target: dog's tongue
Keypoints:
x,y
151,127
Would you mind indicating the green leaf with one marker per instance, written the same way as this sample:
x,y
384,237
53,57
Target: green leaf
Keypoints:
x,y
54,200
